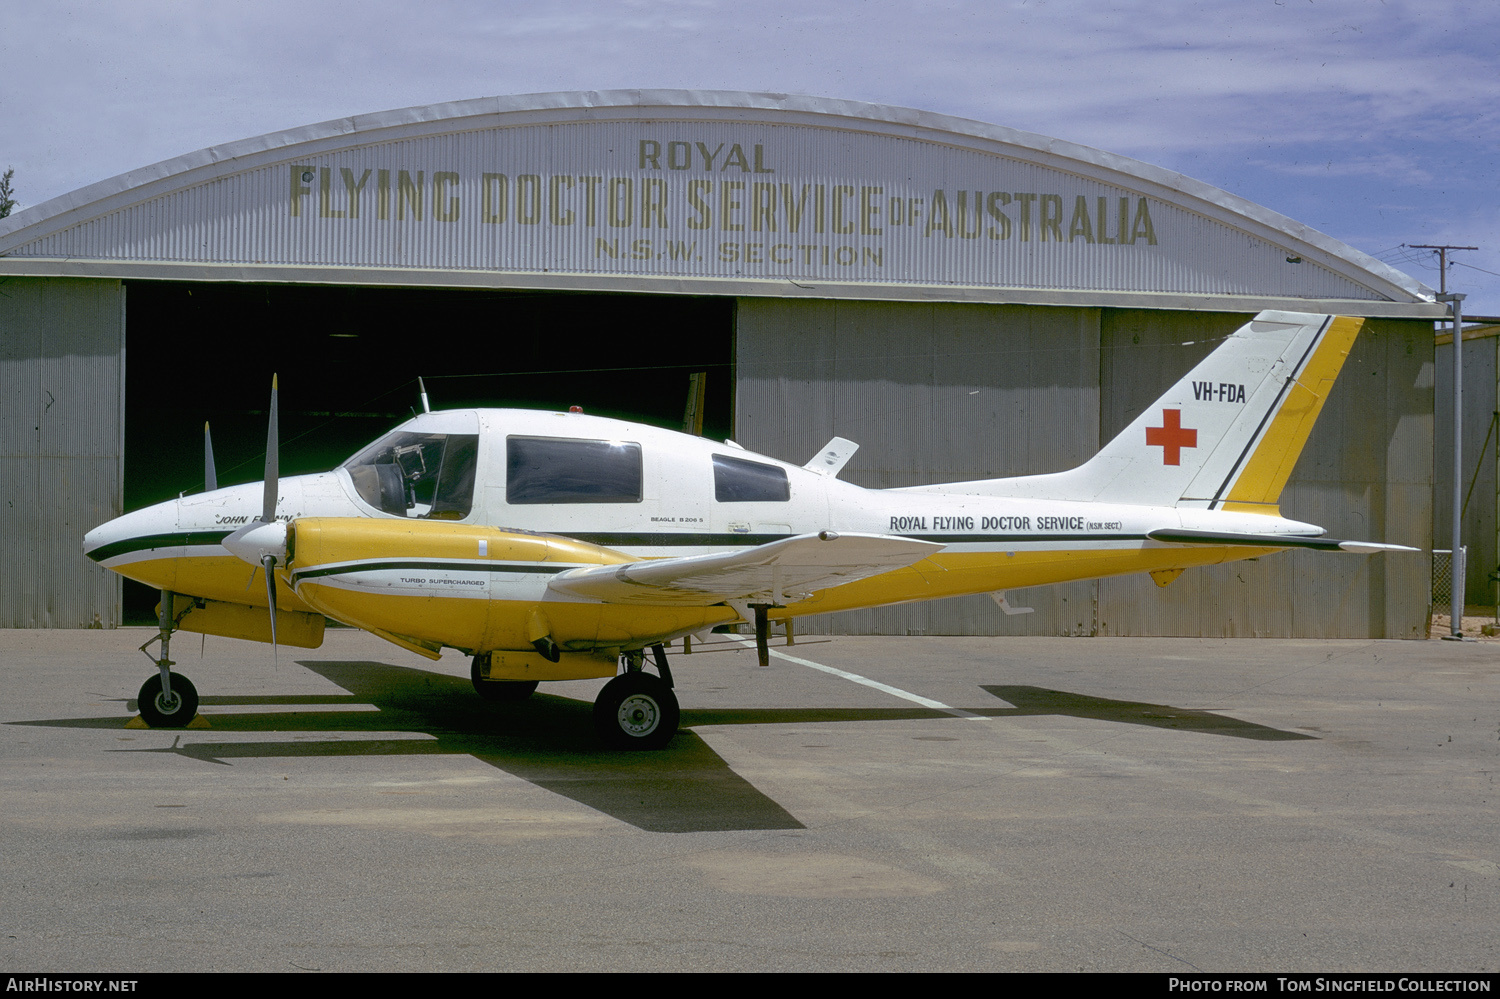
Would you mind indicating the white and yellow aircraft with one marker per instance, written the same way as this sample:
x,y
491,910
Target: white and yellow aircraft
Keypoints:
x,y
557,546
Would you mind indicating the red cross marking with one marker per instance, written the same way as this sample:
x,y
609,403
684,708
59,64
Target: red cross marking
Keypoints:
x,y
1171,437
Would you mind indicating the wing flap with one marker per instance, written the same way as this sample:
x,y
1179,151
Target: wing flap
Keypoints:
x,y
776,573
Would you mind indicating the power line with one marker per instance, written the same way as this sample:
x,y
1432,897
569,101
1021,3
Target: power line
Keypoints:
x,y
1460,263
1442,251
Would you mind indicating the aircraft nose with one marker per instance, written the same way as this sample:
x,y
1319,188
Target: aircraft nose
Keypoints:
x,y
107,533
110,537
100,535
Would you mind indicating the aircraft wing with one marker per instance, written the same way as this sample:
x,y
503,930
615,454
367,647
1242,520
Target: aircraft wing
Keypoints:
x,y
1218,538
778,572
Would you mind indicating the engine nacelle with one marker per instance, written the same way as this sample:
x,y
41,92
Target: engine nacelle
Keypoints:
x,y
426,584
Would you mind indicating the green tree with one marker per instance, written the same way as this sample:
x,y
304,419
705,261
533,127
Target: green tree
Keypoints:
x,y
6,201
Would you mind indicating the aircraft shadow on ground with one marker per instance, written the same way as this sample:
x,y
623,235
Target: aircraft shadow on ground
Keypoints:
x,y
546,740
1041,701
549,740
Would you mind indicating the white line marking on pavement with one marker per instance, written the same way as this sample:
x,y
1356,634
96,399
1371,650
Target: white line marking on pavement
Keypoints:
x,y
925,702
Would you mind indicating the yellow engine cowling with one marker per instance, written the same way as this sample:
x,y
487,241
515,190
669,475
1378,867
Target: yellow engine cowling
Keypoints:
x,y
216,617
427,584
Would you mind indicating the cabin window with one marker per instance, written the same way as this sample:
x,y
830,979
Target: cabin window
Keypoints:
x,y
739,481
418,475
565,470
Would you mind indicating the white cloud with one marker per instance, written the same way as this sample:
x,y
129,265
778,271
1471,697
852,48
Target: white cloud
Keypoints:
x,y
1404,169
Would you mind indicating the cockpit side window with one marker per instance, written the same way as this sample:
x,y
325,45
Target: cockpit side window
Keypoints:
x,y
739,481
418,475
455,485
565,470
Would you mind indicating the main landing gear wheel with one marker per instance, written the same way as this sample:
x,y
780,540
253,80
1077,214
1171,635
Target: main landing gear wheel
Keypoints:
x,y
161,711
636,711
498,690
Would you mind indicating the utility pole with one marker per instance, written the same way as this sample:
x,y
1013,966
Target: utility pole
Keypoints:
x,y
1458,562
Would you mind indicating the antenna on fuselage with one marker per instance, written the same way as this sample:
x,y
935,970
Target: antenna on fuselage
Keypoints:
x,y
426,407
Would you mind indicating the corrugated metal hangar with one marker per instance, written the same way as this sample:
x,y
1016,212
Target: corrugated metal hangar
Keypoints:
x,y
964,300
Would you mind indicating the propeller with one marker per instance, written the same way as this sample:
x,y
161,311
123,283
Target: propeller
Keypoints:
x,y
262,542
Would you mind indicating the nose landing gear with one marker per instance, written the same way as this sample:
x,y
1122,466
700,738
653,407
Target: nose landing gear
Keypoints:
x,y
167,700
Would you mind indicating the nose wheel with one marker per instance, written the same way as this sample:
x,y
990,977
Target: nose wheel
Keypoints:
x,y
173,707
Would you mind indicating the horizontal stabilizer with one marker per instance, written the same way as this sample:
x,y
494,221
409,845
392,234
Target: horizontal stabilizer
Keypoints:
x,y
999,597
1217,538
777,573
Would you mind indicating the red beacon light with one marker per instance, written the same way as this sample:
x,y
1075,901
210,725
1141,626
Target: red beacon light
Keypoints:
x,y
575,409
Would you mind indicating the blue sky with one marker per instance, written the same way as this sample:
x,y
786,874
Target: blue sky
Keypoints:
x,y
1374,121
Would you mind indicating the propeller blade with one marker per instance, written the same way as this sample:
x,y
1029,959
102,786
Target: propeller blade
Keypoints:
x,y
263,541
273,462
210,477
268,562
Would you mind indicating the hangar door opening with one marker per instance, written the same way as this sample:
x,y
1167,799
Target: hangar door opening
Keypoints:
x,y
348,359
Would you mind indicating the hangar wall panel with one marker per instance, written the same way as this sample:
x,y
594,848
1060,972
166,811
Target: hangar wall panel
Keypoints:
x,y
62,343
937,393
1481,445
931,393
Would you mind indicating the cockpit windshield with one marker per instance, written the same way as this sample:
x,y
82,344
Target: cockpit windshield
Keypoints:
x,y
418,474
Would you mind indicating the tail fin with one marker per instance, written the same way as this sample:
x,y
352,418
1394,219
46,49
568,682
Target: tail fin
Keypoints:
x,y
1224,437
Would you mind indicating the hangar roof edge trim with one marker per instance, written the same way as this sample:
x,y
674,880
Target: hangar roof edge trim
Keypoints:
x,y
198,168
561,281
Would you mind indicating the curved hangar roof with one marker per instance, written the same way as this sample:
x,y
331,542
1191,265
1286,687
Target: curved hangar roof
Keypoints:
x,y
699,192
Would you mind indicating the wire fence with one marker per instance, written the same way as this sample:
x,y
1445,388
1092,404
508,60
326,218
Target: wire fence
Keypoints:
x,y
1442,578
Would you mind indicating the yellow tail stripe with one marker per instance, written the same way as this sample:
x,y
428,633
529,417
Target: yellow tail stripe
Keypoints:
x,y
1259,485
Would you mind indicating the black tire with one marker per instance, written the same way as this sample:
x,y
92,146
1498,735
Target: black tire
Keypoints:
x,y
636,711
157,712
498,690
